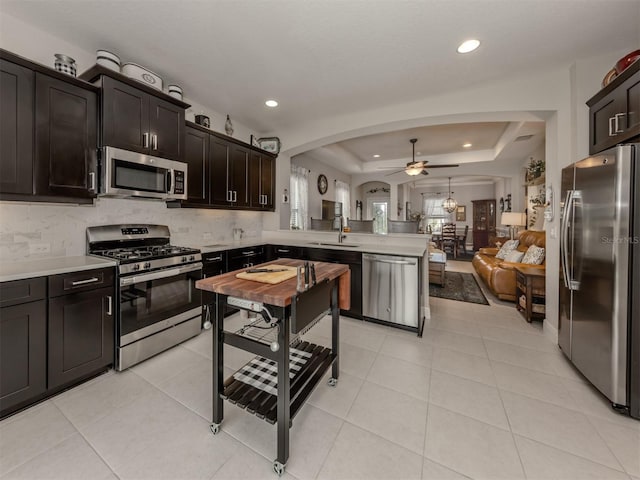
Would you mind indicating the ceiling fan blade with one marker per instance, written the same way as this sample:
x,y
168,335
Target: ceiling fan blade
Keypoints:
x,y
424,172
442,166
393,173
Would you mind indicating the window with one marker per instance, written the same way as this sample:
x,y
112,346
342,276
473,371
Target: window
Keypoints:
x,y
299,185
343,196
380,215
435,215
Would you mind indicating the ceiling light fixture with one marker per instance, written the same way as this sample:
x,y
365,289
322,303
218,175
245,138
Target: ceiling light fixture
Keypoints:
x,y
466,145
376,156
271,103
468,46
413,168
449,204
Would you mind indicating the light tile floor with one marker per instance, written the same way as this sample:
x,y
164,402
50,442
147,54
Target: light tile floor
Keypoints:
x,y
482,395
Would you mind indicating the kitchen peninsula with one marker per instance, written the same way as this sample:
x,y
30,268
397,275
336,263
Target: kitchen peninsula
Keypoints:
x,y
406,253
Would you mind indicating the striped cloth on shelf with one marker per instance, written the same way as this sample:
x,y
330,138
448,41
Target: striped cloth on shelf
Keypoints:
x,y
262,373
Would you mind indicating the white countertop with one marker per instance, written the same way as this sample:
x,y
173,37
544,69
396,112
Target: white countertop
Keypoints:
x,y
415,246
50,266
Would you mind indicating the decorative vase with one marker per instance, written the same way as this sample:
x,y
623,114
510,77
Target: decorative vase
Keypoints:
x,y
228,126
65,64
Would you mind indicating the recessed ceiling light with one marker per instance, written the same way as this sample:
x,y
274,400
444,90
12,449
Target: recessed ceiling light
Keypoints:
x,y
468,46
376,156
467,145
271,103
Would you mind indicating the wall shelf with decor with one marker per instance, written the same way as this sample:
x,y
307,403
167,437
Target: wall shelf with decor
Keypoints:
x,y
536,181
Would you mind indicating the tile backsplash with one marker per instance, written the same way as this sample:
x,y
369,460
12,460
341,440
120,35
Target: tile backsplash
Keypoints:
x,y
37,230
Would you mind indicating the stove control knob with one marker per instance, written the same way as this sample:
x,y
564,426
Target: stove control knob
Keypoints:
x,y
184,259
192,258
136,267
147,265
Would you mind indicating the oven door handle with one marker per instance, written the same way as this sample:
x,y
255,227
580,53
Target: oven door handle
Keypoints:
x,y
161,274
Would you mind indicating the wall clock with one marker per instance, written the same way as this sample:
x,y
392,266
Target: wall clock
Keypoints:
x,y
322,184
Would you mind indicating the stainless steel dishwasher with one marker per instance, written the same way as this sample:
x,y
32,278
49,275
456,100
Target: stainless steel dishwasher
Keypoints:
x,y
390,289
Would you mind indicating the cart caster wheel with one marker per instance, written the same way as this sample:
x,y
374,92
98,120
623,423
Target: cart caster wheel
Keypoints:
x,y
278,468
333,382
215,428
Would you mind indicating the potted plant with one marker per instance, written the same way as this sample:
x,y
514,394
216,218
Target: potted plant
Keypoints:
x,y
535,169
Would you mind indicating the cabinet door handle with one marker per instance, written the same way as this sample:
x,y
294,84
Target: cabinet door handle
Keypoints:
x,y
228,195
145,140
235,196
109,305
84,282
616,122
92,181
154,142
612,132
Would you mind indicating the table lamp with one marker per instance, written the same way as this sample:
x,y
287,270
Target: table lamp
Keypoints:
x,y
513,220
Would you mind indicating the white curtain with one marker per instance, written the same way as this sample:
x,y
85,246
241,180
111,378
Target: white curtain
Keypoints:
x,y
343,196
434,213
299,184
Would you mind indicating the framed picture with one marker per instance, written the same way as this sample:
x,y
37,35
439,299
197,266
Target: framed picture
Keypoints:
x,y
254,142
270,144
461,213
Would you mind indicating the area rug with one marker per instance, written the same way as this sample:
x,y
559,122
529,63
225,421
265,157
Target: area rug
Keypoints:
x,y
459,286
462,257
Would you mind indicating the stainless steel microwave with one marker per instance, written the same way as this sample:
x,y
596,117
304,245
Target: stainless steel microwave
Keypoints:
x,y
129,174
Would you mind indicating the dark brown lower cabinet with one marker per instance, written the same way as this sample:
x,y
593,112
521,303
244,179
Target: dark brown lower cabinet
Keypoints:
x,y
81,335
46,349
23,354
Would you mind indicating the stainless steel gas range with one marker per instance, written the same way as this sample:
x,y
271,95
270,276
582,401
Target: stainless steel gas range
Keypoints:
x,y
159,305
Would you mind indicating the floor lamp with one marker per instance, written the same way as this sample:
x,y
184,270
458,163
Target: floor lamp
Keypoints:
x,y
513,220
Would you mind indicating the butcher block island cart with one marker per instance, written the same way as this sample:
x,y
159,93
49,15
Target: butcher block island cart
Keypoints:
x,y
276,383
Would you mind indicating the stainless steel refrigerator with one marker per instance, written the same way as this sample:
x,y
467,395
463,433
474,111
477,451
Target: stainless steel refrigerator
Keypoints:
x,y
599,324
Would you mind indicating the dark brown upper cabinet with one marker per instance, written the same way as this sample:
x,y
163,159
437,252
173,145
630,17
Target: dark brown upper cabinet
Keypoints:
x,y
614,112
218,178
66,139
138,117
16,128
134,120
48,134
226,173
196,156
237,175
261,180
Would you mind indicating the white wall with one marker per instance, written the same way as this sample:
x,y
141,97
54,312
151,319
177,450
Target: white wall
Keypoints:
x,y
315,198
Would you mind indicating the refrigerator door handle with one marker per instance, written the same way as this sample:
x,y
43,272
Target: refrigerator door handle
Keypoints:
x,y
576,202
564,244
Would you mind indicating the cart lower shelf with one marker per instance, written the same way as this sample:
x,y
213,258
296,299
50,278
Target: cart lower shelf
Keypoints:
x,y
263,404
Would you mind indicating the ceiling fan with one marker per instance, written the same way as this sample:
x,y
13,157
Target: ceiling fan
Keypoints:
x,y
417,168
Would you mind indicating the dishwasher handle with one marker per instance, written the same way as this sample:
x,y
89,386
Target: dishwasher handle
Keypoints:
x,y
384,260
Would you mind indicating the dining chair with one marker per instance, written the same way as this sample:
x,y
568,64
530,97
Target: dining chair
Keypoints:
x,y
449,242
461,239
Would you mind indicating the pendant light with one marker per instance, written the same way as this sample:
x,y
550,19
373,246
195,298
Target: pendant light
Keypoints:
x,y
449,204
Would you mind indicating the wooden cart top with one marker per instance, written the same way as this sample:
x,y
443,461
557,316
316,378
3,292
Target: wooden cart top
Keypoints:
x,y
280,294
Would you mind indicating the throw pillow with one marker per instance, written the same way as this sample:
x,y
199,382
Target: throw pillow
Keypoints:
x,y
514,256
508,246
534,255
